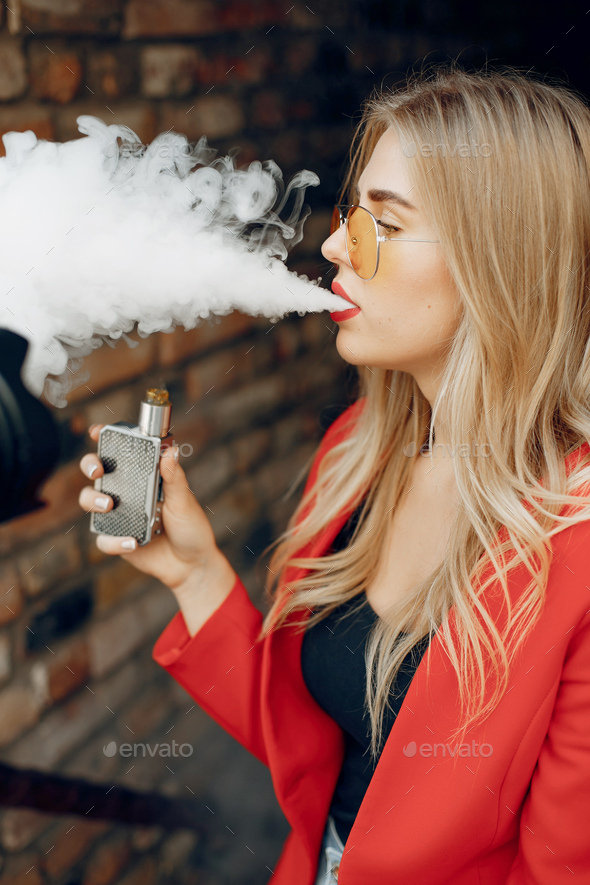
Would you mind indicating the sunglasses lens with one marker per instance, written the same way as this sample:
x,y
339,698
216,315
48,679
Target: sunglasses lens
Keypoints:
x,y
361,242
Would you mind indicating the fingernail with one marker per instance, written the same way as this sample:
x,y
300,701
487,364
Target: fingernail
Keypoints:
x,y
92,469
131,544
176,454
101,502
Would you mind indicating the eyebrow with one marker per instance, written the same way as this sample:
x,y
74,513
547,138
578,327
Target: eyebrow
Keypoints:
x,y
380,195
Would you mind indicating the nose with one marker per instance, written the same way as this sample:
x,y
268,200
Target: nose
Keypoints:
x,y
334,247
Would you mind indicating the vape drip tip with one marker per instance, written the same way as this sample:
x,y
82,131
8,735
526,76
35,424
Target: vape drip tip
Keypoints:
x,y
154,413
156,396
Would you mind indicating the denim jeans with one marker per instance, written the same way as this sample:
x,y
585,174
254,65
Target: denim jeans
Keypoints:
x,y
330,854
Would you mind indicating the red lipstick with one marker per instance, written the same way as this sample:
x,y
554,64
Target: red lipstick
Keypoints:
x,y
338,290
341,315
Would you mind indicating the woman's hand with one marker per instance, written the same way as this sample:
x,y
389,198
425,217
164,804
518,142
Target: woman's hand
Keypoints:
x,y
187,543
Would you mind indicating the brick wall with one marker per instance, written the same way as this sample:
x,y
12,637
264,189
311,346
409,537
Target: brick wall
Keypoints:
x,y
278,80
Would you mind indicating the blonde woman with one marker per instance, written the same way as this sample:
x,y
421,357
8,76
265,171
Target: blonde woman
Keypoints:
x,y
420,686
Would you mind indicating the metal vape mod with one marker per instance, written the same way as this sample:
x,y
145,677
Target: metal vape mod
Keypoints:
x,y
130,454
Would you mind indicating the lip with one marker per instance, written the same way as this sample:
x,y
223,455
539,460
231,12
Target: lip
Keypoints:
x,y
338,290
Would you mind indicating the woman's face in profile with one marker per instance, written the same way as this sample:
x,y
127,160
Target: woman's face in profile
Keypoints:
x,y
407,315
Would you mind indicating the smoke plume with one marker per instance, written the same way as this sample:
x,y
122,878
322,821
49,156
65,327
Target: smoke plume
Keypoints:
x,y
101,235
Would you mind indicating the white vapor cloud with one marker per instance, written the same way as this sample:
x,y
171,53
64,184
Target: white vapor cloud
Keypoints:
x,y
101,235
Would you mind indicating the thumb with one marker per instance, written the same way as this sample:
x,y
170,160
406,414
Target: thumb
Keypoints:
x,y
176,491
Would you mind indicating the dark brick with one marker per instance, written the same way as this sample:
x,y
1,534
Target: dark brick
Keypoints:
x,y
13,70
26,116
56,74
65,17
112,73
59,618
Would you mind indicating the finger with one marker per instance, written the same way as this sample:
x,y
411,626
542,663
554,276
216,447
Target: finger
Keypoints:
x,y
94,431
94,502
114,545
91,465
176,491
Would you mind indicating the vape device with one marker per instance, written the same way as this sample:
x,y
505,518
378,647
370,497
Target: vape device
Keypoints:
x,y
130,454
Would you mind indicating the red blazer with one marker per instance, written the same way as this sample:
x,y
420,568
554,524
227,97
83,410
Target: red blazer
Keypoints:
x,y
518,815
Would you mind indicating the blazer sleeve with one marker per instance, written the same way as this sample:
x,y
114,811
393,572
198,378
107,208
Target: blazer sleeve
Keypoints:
x,y
554,843
220,666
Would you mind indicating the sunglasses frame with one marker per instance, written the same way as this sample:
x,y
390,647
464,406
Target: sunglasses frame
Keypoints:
x,y
380,239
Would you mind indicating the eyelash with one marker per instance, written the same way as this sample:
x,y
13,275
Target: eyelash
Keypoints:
x,y
389,227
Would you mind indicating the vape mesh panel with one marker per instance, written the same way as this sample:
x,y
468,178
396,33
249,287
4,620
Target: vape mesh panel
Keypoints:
x,y
128,464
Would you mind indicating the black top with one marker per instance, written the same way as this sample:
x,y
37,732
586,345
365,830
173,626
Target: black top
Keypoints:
x,y
333,665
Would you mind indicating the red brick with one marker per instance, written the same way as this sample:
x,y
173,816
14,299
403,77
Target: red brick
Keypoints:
x,y
107,860
143,873
314,332
43,565
144,838
138,116
303,18
65,17
179,345
169,18
5,657
220,371
21,826
175,851
286,148
222,67
13,70
109,366
273,480
20,708
22,870
168,70
211,472
22,117
300,55
285,340
112,73
113,639
241,15
113,406
250,449
60,674
316,230
288,432
56,75
263,352
214,115
11,596
268,109
68,725
114,582
146,714
237,409
72,841
233,512
60,492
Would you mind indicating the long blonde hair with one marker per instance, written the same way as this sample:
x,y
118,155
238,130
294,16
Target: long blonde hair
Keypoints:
x,y
511,209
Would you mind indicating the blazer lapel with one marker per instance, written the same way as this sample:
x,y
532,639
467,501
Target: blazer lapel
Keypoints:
x,y
305,745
